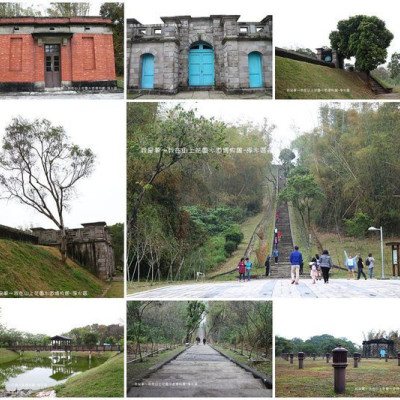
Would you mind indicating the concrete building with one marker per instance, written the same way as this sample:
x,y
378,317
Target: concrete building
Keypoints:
x,y
38,53
91,246
202,53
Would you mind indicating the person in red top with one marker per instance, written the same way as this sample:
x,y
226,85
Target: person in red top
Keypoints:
x,y
242,269
279,235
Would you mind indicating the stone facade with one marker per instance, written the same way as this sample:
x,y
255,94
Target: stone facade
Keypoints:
x,y
37,53
330,56
91,246
169,43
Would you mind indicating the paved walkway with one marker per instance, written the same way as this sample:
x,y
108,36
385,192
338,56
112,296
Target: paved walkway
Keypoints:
x,y
200,371
272,288
200,95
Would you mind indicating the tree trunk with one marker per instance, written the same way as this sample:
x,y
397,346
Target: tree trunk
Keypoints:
x,y
63,245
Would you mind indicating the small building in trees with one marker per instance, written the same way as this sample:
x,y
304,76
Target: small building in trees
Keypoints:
x,y
39,53
200,53
372,348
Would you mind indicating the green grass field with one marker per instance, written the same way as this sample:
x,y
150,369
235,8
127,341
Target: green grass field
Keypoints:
x,y
106,380
373,378
7,356
29,268
291,74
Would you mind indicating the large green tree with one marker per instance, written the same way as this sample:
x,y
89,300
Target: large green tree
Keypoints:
x,y
115,11
364,37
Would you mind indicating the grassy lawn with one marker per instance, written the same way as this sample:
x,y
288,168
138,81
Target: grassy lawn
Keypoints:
x,y
291,74
139,368
120,82
7,356
264,368
336,245
29,268
106,380
231,262
116,289
371,379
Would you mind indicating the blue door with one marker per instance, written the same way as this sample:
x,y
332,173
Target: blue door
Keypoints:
x,y
147,71
255,70
201,65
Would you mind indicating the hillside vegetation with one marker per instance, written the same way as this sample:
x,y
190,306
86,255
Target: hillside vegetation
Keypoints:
x,y
291,74
29,268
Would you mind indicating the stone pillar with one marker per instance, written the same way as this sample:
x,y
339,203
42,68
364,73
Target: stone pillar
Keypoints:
x,y
356,357
300,356
291,358
339,364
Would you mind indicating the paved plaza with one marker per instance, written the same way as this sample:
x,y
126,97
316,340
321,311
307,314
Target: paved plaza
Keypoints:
x,y
274,288
201,95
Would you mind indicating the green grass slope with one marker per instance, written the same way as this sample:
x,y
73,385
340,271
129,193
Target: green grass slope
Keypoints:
x,y
333,83
106,380
7,356
29,268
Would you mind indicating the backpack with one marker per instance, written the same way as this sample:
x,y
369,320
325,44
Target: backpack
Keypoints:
x,y
367,262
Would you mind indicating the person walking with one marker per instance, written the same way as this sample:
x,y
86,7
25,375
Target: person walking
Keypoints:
x,y
242,269
276,255
267,264
204,341
249,264
296,258
360,266
350,263
313,269
326,264
197,340
318,267
370,263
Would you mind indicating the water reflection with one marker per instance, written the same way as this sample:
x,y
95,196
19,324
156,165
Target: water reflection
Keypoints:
x,y
41,372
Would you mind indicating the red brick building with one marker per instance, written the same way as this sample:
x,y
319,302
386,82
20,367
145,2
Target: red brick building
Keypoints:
x,y
38,53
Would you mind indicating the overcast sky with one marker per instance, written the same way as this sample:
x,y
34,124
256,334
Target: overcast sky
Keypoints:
x,y
296,23
338,317
288,116
56,316
99,125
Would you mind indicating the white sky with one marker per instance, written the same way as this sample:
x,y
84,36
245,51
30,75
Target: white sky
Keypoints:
x,y
56,316
94,6
339,317
99,125
296,23
284,114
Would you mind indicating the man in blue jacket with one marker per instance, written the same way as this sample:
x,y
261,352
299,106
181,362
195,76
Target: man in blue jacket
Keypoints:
x,y
296,259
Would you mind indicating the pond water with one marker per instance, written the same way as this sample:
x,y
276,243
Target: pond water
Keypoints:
x,y
42,372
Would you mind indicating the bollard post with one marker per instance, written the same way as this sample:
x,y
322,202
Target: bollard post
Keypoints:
x,y
356,357
291,358
386,357
398,358
300,356
339,364
327,355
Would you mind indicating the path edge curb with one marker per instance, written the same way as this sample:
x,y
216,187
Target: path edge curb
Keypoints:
x,y
265,379
156,368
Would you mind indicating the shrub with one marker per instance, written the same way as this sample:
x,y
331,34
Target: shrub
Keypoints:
x,y
230,247
358,225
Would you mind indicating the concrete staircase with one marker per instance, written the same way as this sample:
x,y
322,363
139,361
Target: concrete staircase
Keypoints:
x,y
285,246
